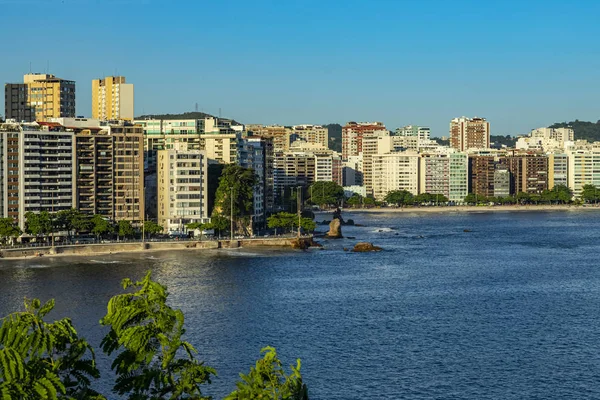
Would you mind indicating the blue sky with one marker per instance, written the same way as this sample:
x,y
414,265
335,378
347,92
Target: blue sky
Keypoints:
x,y
521,64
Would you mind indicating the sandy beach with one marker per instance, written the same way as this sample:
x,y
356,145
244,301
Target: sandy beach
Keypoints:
x,y
461,209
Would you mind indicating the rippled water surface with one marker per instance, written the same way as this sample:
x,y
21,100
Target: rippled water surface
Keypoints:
x,y
507,310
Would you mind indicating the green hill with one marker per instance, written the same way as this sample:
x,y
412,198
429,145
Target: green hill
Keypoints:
x,y
583,130
335,136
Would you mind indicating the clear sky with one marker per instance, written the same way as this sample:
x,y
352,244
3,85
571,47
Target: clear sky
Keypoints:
x,y
521,64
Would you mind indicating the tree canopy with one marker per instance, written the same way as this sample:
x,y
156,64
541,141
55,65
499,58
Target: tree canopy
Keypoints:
x,y
326,193
238,182
590,194
9,230
399,197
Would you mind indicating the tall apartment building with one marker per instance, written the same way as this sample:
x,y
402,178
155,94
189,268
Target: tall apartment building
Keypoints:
x,y
558,134
305,164
217,137
112,99
352,136
469,133
482,174
584,166
109,168
182,187
529,173
37,165
395,171
444,173
558,170
411,137
257,153
310,134
39,97
378,142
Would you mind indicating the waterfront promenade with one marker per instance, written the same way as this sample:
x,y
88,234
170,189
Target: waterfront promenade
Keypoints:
x,y
17,252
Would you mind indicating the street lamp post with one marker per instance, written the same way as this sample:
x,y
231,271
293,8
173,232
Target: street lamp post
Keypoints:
x,y
299,206
231,214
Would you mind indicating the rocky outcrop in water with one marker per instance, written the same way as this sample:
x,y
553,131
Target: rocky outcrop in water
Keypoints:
x,y
364,247
335,229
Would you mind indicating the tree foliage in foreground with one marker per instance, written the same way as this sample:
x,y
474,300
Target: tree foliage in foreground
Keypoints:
x,y
267,380
41,360
289,221
153,360
49,361
326,193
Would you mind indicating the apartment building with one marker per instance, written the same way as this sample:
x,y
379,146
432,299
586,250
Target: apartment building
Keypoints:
x,y
395,171
584,166
352,136
37,165
444,173
378,142
459,176
257,153
529,172
482,171
182,187
310,134
558,169
469,133
112,99
411,137
38,98
109,168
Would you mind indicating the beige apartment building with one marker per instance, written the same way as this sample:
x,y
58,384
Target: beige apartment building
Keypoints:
x,y
352,136
395,171
469,133
112,99
38,98
182,188
311,134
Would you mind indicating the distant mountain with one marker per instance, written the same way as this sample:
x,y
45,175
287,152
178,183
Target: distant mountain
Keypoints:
x,y
582,130
185,115
335,136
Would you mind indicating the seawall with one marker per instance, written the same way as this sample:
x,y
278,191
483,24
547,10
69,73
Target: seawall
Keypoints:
x,y
113,248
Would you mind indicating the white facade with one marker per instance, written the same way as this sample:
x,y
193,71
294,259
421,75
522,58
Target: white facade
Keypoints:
x,y
584,166
182,176
311,134
395,171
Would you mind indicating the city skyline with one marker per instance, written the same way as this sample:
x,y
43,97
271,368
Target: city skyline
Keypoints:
x,y
399,63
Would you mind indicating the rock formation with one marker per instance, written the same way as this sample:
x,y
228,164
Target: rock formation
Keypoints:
x,y
335,229
363,247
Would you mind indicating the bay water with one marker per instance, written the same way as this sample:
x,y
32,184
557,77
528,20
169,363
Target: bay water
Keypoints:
x,y
458,305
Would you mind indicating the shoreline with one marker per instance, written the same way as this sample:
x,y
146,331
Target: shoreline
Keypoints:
x,y
471,209
26,253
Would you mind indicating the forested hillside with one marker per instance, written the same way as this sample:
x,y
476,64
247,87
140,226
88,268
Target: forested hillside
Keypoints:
x,y
583,130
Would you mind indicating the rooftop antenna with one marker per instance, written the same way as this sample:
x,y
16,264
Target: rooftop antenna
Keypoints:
x,y
196,107
219,112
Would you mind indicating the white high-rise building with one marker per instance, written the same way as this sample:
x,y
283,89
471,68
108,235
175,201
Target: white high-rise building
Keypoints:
x,y
182,187
395,171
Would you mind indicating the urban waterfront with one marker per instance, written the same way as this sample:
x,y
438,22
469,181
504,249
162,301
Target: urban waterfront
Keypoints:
x,y
458,305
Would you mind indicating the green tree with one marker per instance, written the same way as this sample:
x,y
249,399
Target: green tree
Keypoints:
x,y
238,182
326,193
125,229
307,224
41,360
101,226
268,380
523,198
590,194
9,230
219,224
399,197
153,361
354,200
152,228
283,220
38,224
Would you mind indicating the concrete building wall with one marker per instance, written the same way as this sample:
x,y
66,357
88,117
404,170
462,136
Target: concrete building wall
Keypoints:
x,y
469,133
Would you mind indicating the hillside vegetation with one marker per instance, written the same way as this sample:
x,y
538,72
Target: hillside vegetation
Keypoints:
x,y
583,130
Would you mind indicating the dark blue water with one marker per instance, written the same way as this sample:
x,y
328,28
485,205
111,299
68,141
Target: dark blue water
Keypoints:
x,y
509,310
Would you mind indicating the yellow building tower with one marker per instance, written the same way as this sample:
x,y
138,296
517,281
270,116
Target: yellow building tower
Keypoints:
x,y
112,99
